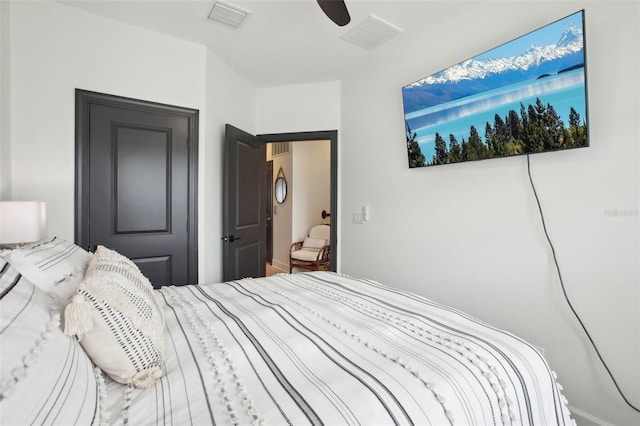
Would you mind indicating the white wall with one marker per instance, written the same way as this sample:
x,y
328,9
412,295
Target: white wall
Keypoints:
x,y
301,108
312,185
56,49
469,235
229,99
5,117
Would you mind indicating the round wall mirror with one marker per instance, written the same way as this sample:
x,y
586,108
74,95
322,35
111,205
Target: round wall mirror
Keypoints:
x,y
280,187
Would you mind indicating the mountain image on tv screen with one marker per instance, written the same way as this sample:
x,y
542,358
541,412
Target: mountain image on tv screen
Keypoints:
x,y
526,96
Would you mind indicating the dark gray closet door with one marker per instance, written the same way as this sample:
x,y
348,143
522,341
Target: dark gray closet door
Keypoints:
x,y
137,189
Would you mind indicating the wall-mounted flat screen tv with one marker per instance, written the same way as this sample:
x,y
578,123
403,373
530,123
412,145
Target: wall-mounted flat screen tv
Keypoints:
x,y
526,96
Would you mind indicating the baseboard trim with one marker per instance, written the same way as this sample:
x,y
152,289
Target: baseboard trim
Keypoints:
x,y
580,416
284,267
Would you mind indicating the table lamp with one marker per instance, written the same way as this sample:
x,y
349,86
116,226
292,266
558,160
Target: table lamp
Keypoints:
x,y
22,222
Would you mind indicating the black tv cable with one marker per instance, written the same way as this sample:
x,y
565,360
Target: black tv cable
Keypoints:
x,y
564,291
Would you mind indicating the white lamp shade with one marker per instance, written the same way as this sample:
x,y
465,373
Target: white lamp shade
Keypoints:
x,y
22,221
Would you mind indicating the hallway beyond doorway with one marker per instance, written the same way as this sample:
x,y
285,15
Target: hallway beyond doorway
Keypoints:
x,y
272,270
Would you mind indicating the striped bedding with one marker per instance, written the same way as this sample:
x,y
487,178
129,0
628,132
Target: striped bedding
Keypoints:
x,y
321,348
46,378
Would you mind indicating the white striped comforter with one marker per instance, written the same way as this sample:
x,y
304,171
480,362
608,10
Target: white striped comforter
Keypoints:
x,y
320,348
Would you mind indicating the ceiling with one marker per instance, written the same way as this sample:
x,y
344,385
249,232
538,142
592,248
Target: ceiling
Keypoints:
x,y
282,41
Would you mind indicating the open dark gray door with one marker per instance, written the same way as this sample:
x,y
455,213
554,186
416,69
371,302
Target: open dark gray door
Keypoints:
x,y
244,222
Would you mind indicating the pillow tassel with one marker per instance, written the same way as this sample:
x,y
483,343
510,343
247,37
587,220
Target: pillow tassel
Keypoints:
x,y
145,378
78,317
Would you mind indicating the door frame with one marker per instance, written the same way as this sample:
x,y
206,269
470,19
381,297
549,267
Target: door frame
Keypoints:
x,y
269,209
332,136
84,99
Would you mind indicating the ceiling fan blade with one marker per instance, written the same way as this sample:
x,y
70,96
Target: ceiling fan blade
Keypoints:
x,y
336,10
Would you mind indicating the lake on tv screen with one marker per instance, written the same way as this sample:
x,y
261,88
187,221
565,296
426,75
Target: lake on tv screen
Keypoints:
x,y
562,91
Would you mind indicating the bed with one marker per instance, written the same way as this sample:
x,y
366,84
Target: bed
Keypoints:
x,y
306,348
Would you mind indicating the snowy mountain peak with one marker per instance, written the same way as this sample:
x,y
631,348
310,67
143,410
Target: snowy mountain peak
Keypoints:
x,y
571,41
570,35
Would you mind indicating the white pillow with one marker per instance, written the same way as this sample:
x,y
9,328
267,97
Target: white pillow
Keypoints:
x,y
45,376
54,264
118,320
314,243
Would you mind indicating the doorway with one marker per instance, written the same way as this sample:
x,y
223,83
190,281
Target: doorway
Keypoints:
x,y
269,209
305,168
244,225
332,137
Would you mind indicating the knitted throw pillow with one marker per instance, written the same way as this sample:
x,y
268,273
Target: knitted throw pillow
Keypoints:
x,y
118,320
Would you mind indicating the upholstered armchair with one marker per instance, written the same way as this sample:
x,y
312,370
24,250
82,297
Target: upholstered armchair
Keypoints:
x,y
313,252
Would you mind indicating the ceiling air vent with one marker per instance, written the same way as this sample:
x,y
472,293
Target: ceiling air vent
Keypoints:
x,y
371,33
227,14
279,148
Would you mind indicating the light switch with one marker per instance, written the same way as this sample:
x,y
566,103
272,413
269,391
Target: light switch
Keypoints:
x,y
362,216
